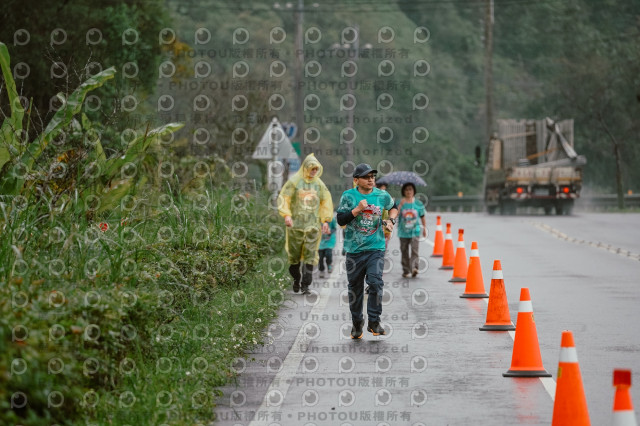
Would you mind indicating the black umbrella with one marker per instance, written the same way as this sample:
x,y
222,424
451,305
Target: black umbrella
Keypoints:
x,y
400,178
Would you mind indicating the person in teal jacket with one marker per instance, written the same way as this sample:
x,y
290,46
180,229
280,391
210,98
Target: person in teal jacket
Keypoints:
x,y
325,251
411,224
360,210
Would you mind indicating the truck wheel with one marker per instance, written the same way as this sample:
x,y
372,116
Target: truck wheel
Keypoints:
x,y
564,207
491,209
570,209
548,210
507,208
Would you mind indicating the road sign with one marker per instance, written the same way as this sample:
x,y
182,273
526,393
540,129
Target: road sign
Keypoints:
x,y
274,143
290,129
294,166
296,146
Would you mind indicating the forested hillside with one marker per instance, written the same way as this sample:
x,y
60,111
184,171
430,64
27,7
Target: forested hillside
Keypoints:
x,y
562,59
142,254
415,67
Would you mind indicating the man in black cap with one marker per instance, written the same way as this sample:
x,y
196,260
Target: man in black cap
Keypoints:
x,y
360,209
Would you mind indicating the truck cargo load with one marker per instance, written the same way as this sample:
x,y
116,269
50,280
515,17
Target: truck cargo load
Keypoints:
x,y
532,163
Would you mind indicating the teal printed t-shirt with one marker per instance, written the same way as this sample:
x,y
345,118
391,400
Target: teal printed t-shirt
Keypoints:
x,y
409,219
365,232
328,241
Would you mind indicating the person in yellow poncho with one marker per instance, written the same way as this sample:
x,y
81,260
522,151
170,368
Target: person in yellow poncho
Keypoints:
x,y
306,206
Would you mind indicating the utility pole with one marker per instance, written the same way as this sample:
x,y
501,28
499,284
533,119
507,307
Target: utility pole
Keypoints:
x,y
274,146
299,90
488,68
350,84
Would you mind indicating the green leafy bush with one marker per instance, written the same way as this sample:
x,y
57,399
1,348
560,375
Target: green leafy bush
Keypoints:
x,y
105,279
87,309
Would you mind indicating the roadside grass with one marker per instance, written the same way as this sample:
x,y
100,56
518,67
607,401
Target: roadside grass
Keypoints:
x,y
135,317
193,353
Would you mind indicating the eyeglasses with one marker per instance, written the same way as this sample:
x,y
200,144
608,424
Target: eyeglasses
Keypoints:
x,y
368,177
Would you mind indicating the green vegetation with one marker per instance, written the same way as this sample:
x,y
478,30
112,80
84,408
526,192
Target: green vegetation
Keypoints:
x,y
452,135
58,45
563,59
136,264
99,320
125,296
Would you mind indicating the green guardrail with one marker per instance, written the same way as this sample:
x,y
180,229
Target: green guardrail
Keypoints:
x,y
475,203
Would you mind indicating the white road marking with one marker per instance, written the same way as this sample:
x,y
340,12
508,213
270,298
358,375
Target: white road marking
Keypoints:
x,y
282,380
550,385
548,382
562,236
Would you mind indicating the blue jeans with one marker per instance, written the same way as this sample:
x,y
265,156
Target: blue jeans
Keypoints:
x,y
371,265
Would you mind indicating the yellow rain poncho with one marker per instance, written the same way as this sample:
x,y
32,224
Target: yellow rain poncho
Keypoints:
x,y
308,201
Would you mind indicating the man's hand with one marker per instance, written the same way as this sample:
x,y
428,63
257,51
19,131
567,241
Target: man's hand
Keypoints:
x,y
288,221
360,207
325,228
389,225
424,232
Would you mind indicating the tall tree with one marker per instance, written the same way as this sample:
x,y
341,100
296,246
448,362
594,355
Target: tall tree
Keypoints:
x,y
55,46
597,83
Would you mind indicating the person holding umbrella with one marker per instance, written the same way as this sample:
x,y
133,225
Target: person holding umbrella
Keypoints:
x,y
411,225
400,178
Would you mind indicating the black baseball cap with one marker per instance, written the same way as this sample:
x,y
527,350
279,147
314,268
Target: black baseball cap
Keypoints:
x,y
363,169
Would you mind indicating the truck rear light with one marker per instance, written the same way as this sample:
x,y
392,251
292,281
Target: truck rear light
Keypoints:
x,y
519,190
565,189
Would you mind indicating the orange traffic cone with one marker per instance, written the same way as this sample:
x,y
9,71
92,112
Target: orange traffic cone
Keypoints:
x,y
498,318
623,414
460,261
475,283
438,242
447,256
526,360
570,404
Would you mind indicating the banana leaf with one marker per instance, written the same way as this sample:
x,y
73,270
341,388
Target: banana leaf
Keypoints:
x,y
62,117
112,189
12,125
137,149
97,153
72,106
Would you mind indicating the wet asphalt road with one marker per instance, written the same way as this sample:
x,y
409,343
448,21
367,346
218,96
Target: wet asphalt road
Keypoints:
x,y
435,367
